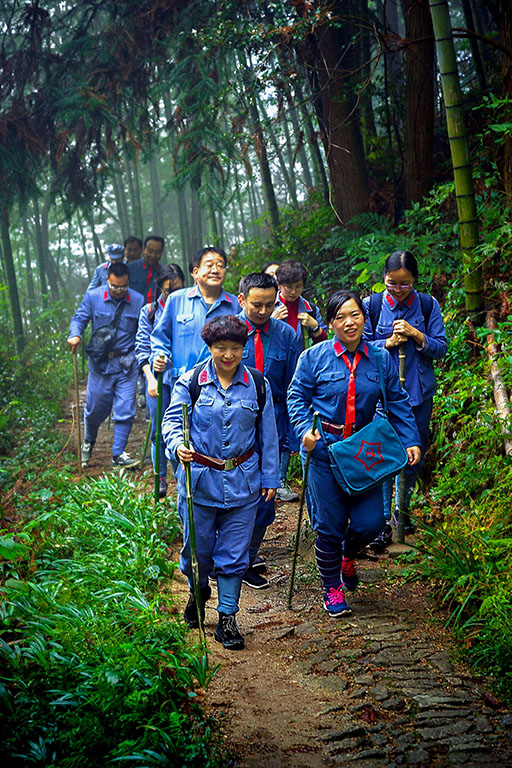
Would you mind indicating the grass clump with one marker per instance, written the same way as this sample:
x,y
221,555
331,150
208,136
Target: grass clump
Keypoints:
x,y
95,668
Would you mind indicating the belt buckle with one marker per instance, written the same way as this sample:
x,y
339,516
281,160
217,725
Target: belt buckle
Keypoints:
x,y
228,464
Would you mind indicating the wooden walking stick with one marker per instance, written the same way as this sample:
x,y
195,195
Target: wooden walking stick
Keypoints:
x,y
401,479
77,404
158,433
192,528
299,519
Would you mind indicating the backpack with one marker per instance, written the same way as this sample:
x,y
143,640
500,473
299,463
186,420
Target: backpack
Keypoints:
x,y
375,306
257,377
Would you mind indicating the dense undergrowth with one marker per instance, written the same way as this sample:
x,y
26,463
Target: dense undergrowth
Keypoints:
x,y
94,665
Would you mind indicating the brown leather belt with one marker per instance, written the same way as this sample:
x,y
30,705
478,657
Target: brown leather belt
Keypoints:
x,y
334,429
220,464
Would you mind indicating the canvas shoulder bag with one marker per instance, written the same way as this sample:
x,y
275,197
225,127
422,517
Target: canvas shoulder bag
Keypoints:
x,y
371,455
102,339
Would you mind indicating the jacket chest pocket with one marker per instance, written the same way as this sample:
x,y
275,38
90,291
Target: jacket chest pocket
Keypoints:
x,y
247,413
331,379
128,321
203,410
185,323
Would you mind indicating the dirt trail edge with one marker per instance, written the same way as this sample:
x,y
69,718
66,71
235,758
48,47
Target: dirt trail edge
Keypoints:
x,y
378,688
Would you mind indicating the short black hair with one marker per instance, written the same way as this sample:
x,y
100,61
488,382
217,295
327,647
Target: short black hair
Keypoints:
x,y
154,237
118,268
291,271
225,328
257,280
338,299
132,239
196,259
401,260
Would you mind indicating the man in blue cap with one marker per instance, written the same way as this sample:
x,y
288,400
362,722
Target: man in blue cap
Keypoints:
x,y
112,381
114,253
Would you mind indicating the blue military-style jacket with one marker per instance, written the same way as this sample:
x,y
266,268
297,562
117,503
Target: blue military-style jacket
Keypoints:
x,y
99,308
144,330
321,382
143,278
420,380
99,277
279,360
222,425
178,332
304,306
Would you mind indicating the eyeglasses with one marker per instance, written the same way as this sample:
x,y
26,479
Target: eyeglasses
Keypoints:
x,y
118,288
394,286
216,265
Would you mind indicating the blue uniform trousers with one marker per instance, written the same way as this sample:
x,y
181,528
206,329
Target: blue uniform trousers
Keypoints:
x,y
105,391
348,521
223,536
422,415
151,405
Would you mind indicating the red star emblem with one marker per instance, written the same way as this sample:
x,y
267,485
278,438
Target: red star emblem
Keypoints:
x,y
369,455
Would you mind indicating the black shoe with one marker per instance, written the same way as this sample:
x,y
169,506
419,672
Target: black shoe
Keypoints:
x,y
190,615
259,565
254,580
125,460
383,540
227,633
409,527
162,488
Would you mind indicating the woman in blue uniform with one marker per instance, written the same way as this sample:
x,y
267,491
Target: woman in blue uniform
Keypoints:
x,y
402,315
170,278
339,378
235,459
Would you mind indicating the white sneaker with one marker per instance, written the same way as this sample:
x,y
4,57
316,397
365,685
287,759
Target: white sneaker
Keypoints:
x,y
125,460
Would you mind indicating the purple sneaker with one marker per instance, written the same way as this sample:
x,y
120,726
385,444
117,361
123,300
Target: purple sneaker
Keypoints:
x,y
335,603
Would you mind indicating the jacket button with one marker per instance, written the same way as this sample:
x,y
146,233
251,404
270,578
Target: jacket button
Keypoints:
x,y
228,423
228,402
226,442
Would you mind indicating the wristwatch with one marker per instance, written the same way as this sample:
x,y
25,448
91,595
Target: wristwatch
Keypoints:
x,y
315,330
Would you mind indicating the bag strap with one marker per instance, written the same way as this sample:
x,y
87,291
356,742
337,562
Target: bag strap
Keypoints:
x,y
378,357
117,315
427,305
374,309
257,377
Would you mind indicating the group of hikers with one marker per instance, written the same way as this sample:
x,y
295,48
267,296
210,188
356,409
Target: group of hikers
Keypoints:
x,y
262,380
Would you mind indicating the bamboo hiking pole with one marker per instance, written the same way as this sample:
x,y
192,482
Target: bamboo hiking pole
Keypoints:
x,y
145,446
401,479
299,519
77,415
158,433
192,528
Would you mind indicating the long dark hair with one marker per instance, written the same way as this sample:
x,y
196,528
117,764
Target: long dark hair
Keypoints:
x,y
401,260
166,272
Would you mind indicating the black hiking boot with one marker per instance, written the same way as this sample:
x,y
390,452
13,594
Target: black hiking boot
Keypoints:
x,y
383,540
228,634
190,615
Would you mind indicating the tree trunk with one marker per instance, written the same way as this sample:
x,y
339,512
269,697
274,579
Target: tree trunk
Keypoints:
x,y
196,228
261,154
473,42
419,121
12,286
84,248
39,251
500,390
319,174
213,234
31,293
464,191
121,205
186,250
138,202
330,57
240,203
506,71
50,267
288,180
156,198
299,139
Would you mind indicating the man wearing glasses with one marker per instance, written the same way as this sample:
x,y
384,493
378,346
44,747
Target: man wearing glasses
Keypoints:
x,y
176,342
111,383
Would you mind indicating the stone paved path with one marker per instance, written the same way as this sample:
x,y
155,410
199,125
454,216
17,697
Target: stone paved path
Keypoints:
x,y
377,689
